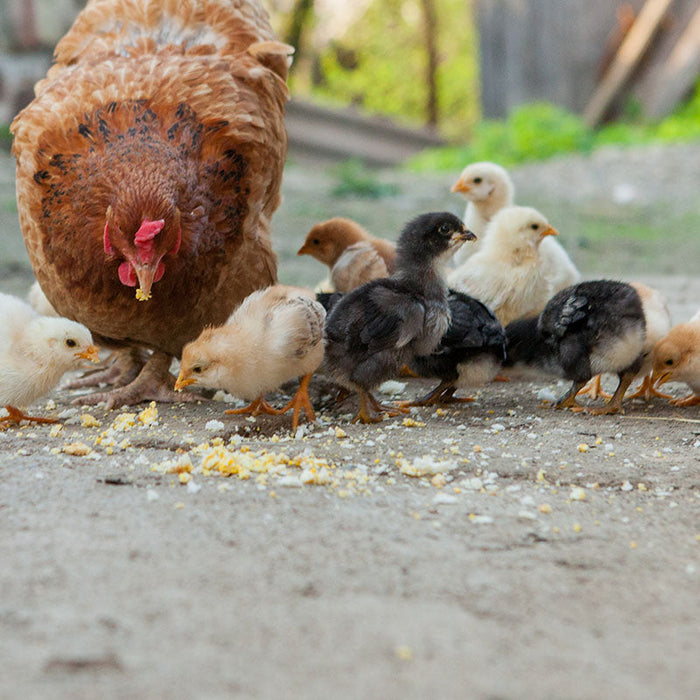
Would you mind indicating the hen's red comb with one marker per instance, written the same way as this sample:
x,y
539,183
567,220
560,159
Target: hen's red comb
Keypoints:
x,y
148,230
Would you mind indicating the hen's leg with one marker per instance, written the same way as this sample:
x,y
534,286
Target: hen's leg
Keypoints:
x,y
255,408
119,369
301,400
153,383
14,415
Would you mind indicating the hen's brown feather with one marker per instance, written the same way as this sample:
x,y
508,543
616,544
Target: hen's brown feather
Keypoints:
x,y
160,110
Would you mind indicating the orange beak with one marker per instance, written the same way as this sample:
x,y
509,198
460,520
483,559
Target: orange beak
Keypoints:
x,y
90,353
659,377
304,250
460,186
550,232
182,382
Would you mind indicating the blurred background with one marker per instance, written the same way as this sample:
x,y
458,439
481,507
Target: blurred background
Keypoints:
x,y
595,106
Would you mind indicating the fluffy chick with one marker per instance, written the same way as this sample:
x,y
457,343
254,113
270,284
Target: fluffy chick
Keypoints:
x,y
676,358
378,328
358,264
470,352
275,335
590,328
39,302
35,352
488,189
507,274
328,240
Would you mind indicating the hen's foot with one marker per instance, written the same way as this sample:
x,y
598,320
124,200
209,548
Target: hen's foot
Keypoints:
x,y
299,401
153,383
255,408
15,417
647,389
119,369
690,400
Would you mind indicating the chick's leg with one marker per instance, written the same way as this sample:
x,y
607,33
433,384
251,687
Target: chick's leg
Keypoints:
x,y
615,403
569,399
647,389
119,369
153,383
301,400
255,408
594,389
443,393
367,412
14,415
690,400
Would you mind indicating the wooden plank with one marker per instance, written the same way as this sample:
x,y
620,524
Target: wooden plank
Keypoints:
x,y
630,53
679,73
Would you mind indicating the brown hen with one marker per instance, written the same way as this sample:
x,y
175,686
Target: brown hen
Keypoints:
x,y
148,168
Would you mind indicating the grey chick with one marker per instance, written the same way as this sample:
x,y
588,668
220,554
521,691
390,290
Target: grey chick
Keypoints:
x,y
381,326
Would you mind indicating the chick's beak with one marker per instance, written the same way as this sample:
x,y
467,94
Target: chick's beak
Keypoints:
x,y
550,231
182,382
459,237
90,353
303,250
660,376
460,186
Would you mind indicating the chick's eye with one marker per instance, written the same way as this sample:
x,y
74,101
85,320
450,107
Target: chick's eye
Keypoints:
x,y
478,180
197,369
534,227
444,229
669,362
316,241
71,343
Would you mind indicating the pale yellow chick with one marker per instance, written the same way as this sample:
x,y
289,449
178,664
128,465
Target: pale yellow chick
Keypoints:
x,y
507,273
488,188
676,358
275,335
35,352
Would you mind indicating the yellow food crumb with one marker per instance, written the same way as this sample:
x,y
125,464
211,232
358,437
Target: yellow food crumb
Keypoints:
x,y
477,448
641,486
89,421
411,423
541,474
78,449
545,508
149,415
457,489
179,505
55,430
577,527
438,481
577,494
583,447
404,653
340,433
124,422
184,477
633,544
141,295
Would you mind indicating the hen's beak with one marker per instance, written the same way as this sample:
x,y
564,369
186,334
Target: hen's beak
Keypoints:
x,y
182,382
90,353
550,232
145,275
460,186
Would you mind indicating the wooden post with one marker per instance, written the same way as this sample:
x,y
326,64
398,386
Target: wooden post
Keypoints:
x,y
631,51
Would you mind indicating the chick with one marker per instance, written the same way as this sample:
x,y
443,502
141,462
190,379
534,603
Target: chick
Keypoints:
x,y
587,329
35,352
676,358
470,352
328,240
488,189
507,274
275,335
358,264
39,302
376,329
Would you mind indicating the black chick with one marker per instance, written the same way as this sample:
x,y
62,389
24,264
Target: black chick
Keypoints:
x,y
470,352
379,327
584,330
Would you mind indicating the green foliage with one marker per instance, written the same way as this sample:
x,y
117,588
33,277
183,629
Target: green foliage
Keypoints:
x,y
386,73
355,180
5,137
538,131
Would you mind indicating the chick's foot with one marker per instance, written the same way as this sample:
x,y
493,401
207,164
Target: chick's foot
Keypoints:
x,y
372,411
255,408
594,389
119,369
690,400
647,389
15,417
301,400
153,383
443,393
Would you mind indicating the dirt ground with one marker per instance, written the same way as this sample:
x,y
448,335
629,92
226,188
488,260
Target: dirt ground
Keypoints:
x,y
497,550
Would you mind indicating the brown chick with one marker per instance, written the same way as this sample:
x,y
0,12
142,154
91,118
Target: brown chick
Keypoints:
x,y
275,335
358,264
328,240
676,358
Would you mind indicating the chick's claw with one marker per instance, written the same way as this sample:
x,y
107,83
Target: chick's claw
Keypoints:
x,y
15,416
255,408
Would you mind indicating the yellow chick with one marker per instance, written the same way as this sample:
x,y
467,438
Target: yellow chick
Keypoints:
x,y
275,335
676,358
35,352
507,273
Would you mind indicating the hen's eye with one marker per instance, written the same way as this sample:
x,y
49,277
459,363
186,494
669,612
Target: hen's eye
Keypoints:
x,y
71,343
478,180
669,362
